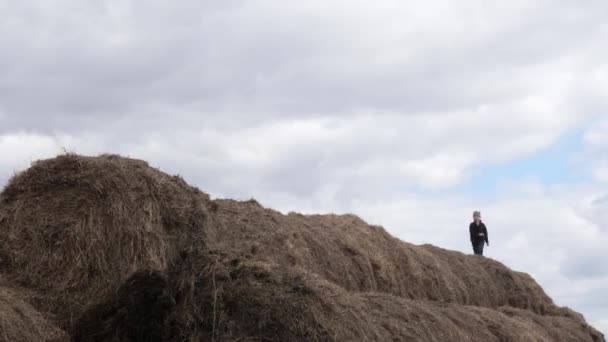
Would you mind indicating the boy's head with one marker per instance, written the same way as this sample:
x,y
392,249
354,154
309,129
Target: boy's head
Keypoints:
x,y
476,216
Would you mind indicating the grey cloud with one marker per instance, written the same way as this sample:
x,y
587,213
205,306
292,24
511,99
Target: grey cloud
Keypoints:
x,y
586,264
150,79
599,212
592,303
97,63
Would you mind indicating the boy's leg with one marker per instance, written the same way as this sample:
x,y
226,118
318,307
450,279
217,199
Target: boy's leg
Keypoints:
x,y
476,248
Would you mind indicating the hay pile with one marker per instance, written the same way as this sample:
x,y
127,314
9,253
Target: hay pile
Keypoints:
x,y
113,250
73,228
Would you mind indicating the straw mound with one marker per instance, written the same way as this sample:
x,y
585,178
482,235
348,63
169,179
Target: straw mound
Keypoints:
x,y
114,250
73,228
20,322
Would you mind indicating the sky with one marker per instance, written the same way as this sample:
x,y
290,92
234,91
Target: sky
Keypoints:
x,y
410,114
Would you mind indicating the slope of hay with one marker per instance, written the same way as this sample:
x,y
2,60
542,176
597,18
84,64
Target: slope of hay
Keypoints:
x,y
115,250
20,322
360,257
73,228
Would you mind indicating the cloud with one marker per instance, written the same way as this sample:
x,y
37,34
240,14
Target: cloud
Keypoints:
x,y
587,263
260,60
18,150
596,147
602,325
335,92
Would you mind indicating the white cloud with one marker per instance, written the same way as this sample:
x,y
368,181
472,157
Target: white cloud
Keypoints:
x,y
596,150
597,136
601,325
17,151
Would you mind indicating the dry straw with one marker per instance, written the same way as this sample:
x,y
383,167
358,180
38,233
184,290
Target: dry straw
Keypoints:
x,y
111,249
20,322
73,228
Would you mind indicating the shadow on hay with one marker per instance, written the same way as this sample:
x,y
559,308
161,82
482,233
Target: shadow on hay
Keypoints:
x,y
209,297
135,312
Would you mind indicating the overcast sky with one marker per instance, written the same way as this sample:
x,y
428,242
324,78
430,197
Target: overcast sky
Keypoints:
x,y
411,114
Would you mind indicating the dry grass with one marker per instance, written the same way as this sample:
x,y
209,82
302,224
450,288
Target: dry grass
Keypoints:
x,y
117,251
260,301
73,228
20,322
361,257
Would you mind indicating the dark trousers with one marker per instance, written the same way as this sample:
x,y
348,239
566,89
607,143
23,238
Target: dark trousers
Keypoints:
x,y
478,247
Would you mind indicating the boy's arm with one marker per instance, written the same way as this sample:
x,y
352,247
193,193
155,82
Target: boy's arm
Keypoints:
x,y
472,234
485,232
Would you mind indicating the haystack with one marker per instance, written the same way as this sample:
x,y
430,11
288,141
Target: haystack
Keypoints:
x,y
20,322
73,228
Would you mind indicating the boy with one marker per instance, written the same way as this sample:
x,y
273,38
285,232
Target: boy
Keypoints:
x,y
479,234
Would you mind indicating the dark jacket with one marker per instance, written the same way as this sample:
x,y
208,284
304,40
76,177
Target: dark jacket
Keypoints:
x,y
478,233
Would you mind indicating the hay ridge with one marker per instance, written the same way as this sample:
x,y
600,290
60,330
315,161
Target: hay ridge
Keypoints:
x,y
360,257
